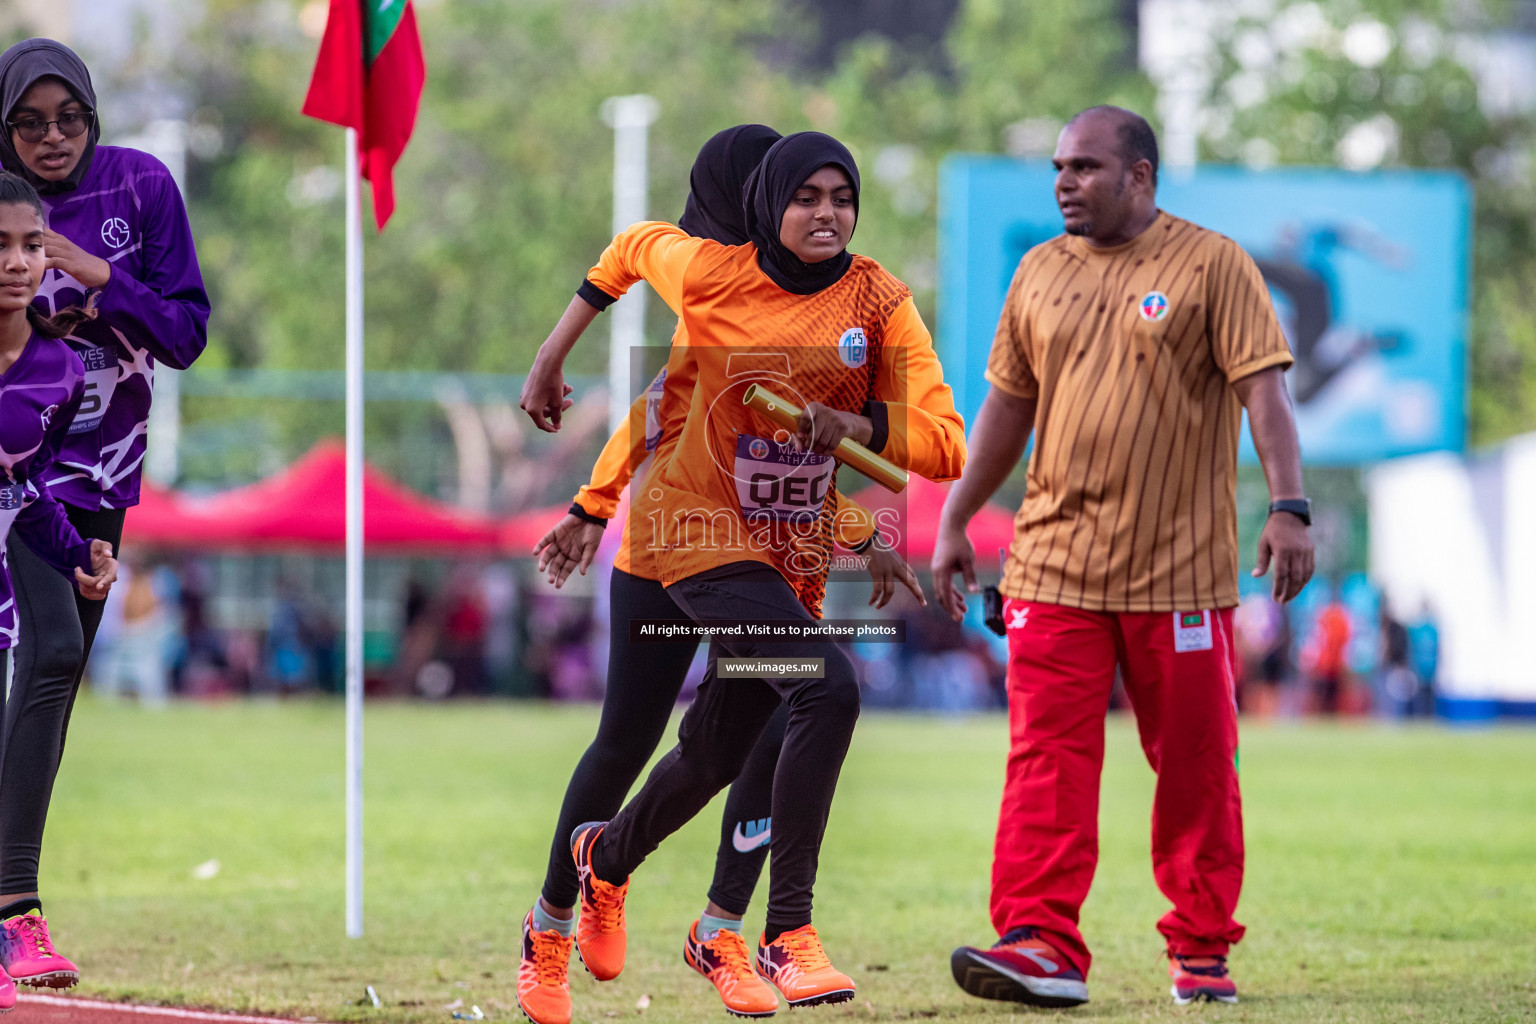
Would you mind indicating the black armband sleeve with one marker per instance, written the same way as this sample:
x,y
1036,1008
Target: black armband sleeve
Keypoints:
x,y
594,296
585,516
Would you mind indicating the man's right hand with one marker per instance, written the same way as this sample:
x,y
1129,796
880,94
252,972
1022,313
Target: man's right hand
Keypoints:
x,y
545,395
952,553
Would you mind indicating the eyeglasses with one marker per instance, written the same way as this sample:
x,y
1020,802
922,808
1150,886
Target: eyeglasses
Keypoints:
x,y
35,129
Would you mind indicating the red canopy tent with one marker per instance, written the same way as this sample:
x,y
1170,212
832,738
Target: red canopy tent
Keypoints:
x,y
303,507
160,518
915,513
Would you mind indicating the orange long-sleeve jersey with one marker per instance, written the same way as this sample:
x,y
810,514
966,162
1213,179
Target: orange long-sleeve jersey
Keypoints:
x,y
730,487
619,462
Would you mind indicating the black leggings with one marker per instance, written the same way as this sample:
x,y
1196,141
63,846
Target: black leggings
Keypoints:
x,y
57,628
644,680
723,725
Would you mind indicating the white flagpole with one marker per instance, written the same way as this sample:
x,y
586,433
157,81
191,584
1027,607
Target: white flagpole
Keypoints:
x,y
354,618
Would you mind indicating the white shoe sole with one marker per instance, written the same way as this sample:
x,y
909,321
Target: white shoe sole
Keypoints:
x,y
1180,1001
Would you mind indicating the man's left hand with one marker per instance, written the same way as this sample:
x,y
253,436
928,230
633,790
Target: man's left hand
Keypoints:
x,y
1286,543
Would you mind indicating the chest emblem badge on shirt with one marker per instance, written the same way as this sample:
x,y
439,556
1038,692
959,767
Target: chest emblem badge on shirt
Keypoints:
x,y
853,348
114,231
1154,307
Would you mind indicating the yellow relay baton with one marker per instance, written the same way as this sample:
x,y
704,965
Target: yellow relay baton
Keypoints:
x,y
882,471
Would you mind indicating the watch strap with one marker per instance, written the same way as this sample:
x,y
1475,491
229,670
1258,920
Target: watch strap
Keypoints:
x,y
1301,508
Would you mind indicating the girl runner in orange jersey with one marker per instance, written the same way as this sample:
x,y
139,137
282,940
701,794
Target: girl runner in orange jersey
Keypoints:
x,y
742,533
645,678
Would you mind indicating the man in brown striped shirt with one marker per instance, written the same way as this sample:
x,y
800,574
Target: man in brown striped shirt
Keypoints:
x,y
1130,346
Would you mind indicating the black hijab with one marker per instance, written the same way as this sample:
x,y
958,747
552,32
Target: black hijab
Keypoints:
x,y
20,68
716,185
792,160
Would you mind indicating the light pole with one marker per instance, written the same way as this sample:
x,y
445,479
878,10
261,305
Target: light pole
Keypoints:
x,y
630,117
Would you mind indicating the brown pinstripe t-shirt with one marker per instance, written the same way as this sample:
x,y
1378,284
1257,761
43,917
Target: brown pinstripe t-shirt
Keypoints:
x,y
1130,353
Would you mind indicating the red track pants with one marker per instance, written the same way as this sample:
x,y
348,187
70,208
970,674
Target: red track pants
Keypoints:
x,y
1178,670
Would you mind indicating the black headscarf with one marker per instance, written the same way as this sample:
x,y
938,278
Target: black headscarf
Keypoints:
x,y
20,68
716,185
792,160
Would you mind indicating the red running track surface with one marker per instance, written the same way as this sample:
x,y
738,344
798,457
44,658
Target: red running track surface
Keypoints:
x,y
39,1009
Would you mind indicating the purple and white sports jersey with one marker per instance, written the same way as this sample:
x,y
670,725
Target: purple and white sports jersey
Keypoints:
x,y
39,397
127,211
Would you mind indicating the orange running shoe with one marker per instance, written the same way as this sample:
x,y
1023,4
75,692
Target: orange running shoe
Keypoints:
x,y
600,935
543,983
726,961
798,967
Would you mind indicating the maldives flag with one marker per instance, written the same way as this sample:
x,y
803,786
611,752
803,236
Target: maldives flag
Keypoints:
x,y
369,76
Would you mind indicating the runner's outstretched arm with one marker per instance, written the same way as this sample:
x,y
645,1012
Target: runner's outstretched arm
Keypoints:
x,y
572,543
916,425
653,251
546,395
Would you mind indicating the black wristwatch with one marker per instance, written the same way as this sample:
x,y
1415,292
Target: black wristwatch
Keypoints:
x,y
1301,508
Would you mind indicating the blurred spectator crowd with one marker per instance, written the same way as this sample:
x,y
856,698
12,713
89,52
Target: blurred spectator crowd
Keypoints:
x,y
478,630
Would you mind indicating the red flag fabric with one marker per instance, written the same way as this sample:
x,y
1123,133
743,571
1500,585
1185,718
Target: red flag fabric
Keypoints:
x,y
368,76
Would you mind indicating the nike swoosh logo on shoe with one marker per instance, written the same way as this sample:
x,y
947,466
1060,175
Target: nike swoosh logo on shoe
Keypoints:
x,y
1043,962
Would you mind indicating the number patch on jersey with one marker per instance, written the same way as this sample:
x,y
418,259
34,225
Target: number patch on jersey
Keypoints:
x,y
653,410
778,484
101,372
1191,631
12,498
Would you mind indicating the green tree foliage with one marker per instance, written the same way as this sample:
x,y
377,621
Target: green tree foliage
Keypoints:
x,y
1390,83
504,191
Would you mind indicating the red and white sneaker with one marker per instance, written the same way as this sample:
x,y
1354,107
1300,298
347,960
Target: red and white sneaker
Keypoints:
x,y
1201,977
600,933
7,993
798,967
28,956
1021,968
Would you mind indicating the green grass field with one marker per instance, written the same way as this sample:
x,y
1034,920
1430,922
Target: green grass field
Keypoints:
x,y
1392,872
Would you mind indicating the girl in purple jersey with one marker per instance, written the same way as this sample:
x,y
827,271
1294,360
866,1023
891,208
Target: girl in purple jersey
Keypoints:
x,y
117,241
42,382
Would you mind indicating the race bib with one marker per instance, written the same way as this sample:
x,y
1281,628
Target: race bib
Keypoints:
x,y
100,381
653,410
775,483
1191,631
12,498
